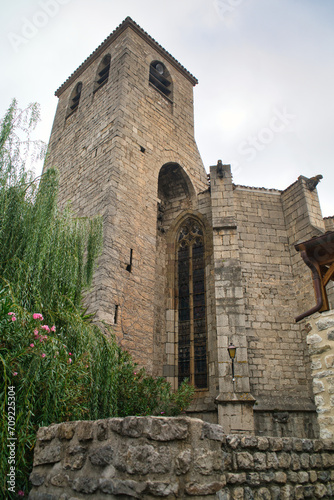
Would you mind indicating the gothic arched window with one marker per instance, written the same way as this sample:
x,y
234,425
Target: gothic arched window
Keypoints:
x,y
192,337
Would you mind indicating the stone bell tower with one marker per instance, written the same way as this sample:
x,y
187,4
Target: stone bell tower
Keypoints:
x,y
123,141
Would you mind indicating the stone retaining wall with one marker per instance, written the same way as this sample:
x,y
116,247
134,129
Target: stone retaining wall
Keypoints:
x,y
320,339
149,457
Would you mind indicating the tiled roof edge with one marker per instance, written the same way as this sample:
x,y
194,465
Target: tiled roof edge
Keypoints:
x,y
253,188
128,22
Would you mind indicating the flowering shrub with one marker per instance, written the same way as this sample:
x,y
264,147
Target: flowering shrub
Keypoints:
x,y
66,368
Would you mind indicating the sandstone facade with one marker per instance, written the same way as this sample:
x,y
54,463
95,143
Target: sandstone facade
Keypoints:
x,y
190,263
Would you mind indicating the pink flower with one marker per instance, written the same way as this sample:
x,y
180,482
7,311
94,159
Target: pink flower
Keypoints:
x,y
20,493
43,355
35,332
70,354
32,345
13,318
14,374
69,360
46,328
53,328
11,314
37,316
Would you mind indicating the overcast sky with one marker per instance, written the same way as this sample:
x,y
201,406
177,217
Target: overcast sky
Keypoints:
x,y
264,102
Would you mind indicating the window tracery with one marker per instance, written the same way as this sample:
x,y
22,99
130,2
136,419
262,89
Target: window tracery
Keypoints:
x,y
192,337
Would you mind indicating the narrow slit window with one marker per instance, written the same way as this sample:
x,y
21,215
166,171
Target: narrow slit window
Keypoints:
x,y
116,315
192,336
129,266
74,100
102,72
160,78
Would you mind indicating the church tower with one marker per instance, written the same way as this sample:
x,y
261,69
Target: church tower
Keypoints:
x,y
123,141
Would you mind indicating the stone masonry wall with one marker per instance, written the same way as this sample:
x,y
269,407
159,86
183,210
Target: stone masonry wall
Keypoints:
x,y
149,457
320,339
276,345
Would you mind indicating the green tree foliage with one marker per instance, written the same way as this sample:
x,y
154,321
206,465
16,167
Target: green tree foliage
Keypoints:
x,y
60,366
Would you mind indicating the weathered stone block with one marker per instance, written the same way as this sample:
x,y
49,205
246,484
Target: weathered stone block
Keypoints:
x,y
75,457
245,460
236,478
66,430
314,338
128,488
295,462
263,494
249,442
213,432
272,460
101,430
47,433
84,431
324,476
168,429
102,456
48,455
253,478
320,490
224,494
85,485
36,479
60,480
303,477
325,323
233,441
142,459
260,461
207,462
183,462
327,460
280,477
161,489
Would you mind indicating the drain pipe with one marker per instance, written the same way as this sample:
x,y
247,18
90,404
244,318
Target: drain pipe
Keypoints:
x,y
317,288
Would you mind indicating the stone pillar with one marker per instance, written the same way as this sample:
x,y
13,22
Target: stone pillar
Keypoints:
x,y
320,340
235,403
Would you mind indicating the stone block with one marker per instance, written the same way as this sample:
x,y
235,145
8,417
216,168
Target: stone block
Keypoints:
x,y
128,488
85,485
183,462
75,457
84,431
162,489
48,455
324,323
66,430
101,456
213,431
